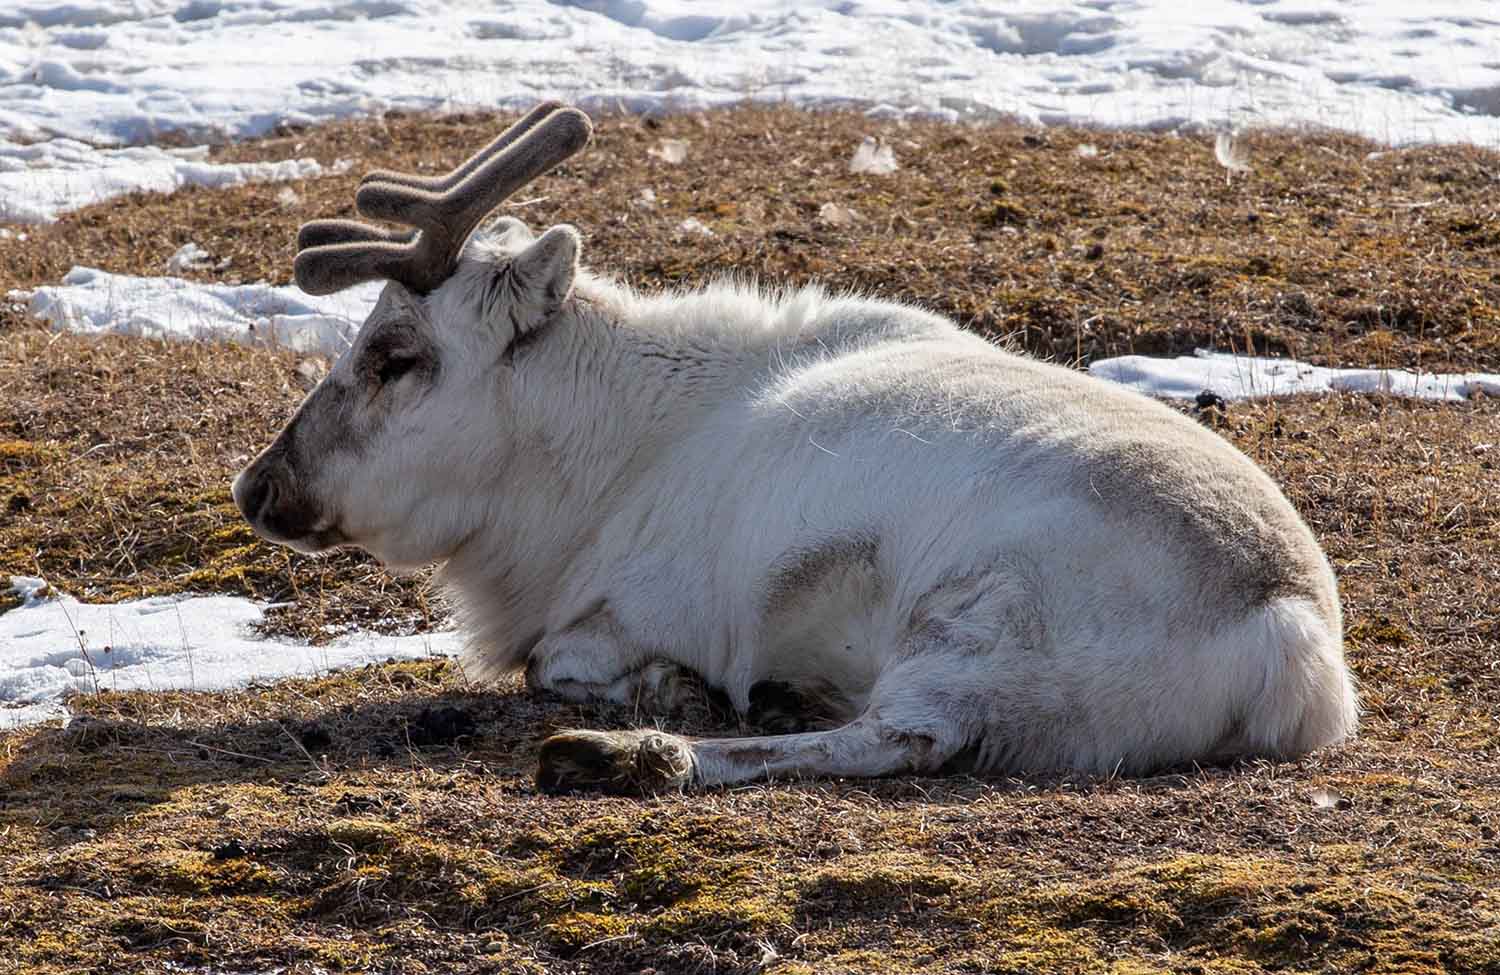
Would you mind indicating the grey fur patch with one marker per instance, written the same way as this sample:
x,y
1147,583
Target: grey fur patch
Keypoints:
x,y
800,575
976,610
595,616
347,416
1245,546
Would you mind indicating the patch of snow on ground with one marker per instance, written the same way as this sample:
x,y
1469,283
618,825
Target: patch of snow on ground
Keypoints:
x,y
53,645
21,715
1235,377
93,301
41,181
98,302
170,308
125,71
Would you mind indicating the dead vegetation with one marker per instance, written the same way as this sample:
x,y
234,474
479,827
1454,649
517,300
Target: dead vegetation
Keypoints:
x,y
1328,249
384,820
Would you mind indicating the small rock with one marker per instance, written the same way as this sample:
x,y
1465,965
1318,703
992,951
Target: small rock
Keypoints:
x,y
233,850
1327,797
836,215
1210,400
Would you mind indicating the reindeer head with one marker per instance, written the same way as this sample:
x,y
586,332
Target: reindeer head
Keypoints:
x,y
382,454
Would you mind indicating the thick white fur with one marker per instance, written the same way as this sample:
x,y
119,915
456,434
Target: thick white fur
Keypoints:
x,y
627,489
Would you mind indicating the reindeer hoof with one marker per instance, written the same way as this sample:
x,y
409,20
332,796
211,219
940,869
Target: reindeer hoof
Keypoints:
x,y
620,762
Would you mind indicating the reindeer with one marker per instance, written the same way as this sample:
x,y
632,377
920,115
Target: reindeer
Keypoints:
x,y
914,550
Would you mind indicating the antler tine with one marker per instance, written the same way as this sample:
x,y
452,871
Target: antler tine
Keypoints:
x,y
444,183
321,233
338,253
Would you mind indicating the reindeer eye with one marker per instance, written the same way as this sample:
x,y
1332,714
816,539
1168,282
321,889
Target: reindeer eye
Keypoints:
x,y
395,367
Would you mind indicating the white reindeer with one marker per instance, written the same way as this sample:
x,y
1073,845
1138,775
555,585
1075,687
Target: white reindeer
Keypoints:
x,y
937,552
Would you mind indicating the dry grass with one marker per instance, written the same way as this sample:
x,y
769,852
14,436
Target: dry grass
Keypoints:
x,y
1322,251
383,820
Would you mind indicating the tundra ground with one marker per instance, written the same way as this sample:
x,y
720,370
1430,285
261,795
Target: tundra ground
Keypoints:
x,y
384,819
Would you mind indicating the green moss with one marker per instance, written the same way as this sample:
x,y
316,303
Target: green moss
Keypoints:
x,y
1381,630
581,929
363,835
652,869
884,882
1028,945
712,914
236,532
1243,913
20,453
150,930
1004,213
200,873
346,955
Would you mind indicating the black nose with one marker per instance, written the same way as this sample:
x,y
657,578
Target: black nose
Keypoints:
x,y
255,494
270,498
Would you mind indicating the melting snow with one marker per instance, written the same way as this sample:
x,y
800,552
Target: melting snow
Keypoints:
x,y
1248,377
112,71
39,182
94,301
53,645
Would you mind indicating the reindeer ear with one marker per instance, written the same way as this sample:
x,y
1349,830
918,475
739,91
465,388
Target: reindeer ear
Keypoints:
x,y
513,234
542,274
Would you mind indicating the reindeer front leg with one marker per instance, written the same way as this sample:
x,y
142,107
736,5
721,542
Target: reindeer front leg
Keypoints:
x,y
635,762
592,660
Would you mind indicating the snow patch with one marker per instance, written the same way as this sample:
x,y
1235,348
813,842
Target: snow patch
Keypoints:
x,y
1236,377
41,181
125,71
873,156
52,646
98,302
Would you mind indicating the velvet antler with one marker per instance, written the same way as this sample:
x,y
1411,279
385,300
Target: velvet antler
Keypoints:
x,y
334,254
